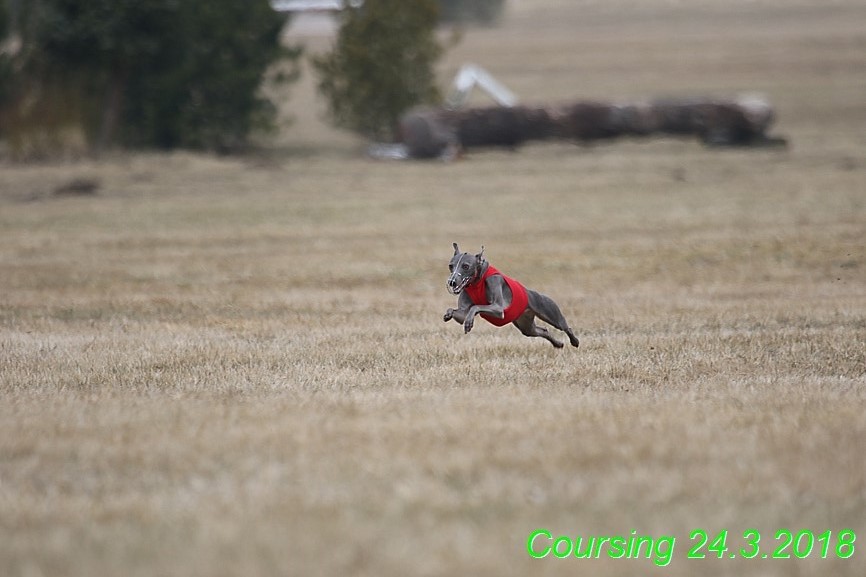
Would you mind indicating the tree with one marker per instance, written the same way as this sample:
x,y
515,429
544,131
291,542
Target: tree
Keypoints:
x,y
6,68
154,73
382,65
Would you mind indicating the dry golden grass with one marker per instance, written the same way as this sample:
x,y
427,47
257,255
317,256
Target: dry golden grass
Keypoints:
x,y
238,366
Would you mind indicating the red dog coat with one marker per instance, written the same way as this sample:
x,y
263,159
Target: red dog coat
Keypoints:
x,y
519,300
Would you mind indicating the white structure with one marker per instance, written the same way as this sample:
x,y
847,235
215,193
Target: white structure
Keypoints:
x,y
313,5
471,75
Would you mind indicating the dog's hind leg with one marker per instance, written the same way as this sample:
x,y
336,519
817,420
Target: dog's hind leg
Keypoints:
x,y
549,312
526,324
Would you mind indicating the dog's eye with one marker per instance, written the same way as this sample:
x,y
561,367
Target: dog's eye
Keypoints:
x,y
451,267
465,266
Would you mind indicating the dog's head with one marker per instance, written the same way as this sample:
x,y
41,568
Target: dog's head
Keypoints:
x,y
465,269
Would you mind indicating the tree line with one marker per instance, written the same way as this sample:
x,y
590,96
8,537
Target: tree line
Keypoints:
x,y
190,74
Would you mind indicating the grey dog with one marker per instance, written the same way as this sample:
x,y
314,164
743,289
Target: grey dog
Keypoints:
x,y
499,299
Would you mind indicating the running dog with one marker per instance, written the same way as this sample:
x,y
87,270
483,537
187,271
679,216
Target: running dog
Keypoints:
x,y
481,289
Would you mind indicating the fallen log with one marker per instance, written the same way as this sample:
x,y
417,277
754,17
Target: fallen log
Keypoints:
x,y
439,132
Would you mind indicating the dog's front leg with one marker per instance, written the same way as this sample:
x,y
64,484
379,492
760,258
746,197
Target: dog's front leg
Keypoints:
x,y
495,290
456,314
464,303
492,310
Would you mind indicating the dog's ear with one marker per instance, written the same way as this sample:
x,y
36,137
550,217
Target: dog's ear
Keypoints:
x,y
480,255
456,250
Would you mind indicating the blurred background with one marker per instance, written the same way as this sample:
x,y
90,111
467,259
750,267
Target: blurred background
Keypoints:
x,y
80,77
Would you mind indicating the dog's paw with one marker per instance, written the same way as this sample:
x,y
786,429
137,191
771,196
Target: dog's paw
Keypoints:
x,y
467,325
449,314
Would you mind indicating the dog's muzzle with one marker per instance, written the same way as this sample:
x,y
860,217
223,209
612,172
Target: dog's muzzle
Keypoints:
x,y
456,283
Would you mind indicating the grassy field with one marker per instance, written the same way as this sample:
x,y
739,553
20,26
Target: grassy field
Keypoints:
x,y
237,366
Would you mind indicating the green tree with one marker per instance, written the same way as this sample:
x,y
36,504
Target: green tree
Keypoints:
x,y
6,56
155,73
382,65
